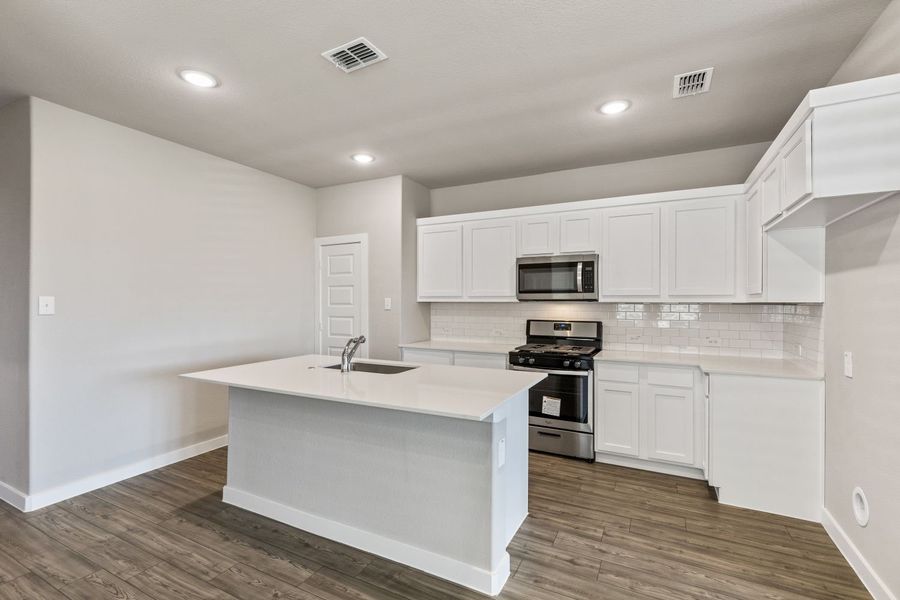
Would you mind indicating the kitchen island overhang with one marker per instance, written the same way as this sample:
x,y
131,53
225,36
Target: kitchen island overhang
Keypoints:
x,y
428,467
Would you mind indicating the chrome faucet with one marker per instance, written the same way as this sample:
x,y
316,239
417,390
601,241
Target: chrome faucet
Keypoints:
x,y
349,350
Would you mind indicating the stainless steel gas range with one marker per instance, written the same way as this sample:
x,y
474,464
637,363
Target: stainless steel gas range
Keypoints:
x,y
561,407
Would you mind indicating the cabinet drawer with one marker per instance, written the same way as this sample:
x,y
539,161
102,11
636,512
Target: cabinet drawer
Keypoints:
x,y
674,377
480,359
613,371
434,357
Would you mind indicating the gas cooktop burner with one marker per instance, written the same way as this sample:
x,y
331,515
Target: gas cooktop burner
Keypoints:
x,y
557,349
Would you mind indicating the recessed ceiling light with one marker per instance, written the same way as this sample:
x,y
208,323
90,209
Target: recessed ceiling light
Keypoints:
x,y
614,107
198,78
363,158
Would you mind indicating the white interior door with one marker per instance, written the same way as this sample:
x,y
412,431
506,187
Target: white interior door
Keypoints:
x,y
341,300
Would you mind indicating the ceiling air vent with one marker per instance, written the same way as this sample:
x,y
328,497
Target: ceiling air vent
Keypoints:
x,y
693,83
354,55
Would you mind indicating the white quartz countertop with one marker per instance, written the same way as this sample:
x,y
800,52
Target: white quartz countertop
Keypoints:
x,y
462,346
717,365
458,392
721,365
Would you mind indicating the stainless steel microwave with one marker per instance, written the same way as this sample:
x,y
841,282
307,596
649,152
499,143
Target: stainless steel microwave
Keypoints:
x,y
561,277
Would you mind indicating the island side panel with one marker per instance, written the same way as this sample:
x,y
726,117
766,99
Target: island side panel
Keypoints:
x,y
420,480
511,480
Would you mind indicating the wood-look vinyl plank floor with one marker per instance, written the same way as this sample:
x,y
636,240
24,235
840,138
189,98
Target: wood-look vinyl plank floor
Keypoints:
x,y
595,532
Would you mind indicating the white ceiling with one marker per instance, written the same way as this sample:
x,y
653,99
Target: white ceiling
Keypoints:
x,y
473,90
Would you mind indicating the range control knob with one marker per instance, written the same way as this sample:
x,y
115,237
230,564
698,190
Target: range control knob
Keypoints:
x,y
530,361
577,364
521,360
566,363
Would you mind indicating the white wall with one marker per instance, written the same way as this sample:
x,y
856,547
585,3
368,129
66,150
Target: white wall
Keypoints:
x,y
862,283
681,171
163,260
371,207
878,53
415,317
862,416
14,247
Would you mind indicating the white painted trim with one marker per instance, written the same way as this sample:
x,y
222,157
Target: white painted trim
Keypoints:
x,y
93,482
354,238
486,582
875,584
648,465
565,207
13,497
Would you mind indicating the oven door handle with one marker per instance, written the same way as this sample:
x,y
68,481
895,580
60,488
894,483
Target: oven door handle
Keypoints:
x,y
551,372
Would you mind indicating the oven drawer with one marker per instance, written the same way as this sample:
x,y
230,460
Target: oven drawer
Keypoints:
x,y
566,443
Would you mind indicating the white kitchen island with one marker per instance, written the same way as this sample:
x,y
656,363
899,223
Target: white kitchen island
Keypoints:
x,y
428,467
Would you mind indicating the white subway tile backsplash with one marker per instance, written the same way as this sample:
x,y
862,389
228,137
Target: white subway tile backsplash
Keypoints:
x,y
753,330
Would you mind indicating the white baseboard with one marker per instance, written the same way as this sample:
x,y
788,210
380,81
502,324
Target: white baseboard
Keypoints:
x,y
88,484
648,465
867,575
13,497
486,582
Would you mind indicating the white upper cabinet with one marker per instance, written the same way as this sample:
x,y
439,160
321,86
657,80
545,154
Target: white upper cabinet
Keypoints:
x,y
770,192
489,259
630,257
579,231
796,166
701,247
538,235
753,221
440,262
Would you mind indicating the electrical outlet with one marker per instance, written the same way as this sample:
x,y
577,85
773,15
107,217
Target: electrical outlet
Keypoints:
x,y
387,304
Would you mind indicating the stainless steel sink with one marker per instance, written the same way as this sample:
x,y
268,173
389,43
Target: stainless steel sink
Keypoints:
x,y
374,368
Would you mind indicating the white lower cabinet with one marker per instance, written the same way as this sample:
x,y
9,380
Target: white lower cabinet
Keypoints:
x,y
766,443
484,360
618,418
655,414
670,424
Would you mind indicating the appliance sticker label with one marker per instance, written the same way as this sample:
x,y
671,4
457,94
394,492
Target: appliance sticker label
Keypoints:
x,y
550,406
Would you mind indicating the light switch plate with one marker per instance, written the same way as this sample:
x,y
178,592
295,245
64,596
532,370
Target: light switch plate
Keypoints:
x,y
387,304
46,305
501,452
848,364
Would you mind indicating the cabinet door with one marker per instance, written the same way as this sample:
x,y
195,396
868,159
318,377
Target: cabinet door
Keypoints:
x,y
753,220
701,249
670,424
617,427
796,166
440,261
770,190
578,231
489,251
538,235
630,257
